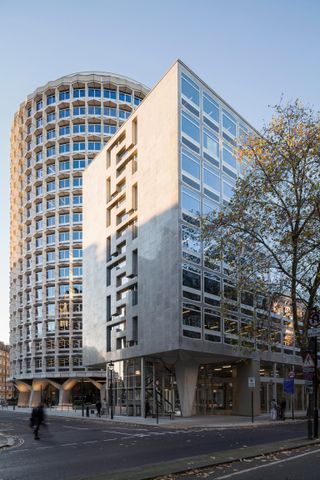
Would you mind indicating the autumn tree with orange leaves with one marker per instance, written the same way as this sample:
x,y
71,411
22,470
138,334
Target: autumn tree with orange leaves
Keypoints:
x,y
269,233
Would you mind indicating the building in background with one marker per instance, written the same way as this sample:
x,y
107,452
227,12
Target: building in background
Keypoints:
x,y
169,321
6,387
55,134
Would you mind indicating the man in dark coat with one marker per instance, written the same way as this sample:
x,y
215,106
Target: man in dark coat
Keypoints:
x,y
37,418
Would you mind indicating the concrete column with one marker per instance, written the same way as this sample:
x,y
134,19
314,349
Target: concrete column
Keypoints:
x,y
241,392
186,375
64,396
23,399
35,398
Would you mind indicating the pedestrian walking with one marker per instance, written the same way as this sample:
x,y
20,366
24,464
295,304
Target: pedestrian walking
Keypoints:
x,y
273,409
37,419
98,407
147,409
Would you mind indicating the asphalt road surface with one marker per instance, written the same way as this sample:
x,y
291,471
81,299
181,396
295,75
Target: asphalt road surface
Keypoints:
x,y
300,464
72,448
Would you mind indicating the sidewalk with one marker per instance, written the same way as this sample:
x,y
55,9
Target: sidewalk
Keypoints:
x,y
212,421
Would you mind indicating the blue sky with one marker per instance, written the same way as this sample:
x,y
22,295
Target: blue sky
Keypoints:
x,y
249,51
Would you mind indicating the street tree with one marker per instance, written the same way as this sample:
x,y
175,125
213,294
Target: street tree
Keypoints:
x,y
268,235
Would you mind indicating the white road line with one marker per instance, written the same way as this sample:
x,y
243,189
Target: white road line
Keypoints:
x,y
265,465
90,441
68,444
121,433
109,439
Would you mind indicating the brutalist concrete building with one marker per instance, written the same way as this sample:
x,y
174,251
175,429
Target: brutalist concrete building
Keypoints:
x,y
168,320
56,132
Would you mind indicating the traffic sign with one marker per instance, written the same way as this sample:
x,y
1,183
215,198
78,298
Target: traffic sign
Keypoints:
x,y
314,320
308,362
314,332
251,382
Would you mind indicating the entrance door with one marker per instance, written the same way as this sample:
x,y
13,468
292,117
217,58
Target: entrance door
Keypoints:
x,y
214,398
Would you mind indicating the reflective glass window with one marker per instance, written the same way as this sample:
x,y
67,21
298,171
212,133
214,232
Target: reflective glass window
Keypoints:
x,y
107,93
191,315
191,239
64,113
77,181
64,201
229,158
109,129
94,110
210,107
79,146
190,127
64,165
190,201
65,130
229,125
79,128
64,237
190,164
64,147
51,99
51,186
51,133
94,92
189,89
124,97
211,178
210,144
191,276
79,110
51,117
94,128
79,92
64,95
79,164
64,183
227,190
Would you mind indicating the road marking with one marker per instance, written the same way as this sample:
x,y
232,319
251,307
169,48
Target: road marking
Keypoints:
x,y
68,444
75,428
90,441
120,433
109,439
265,465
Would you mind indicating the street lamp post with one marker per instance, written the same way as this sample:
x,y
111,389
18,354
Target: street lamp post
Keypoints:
x,y
157,400
82,397
111,366
14,392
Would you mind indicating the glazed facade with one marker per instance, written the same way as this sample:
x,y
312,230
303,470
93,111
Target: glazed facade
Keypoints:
x,y
171,319
55,135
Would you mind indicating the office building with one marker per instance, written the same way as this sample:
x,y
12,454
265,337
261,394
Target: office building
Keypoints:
x,y
168,320
55,134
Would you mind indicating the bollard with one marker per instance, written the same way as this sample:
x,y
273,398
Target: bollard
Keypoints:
x,y
88,414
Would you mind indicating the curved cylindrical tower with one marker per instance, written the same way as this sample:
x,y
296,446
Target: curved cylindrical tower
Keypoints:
x,y
55,134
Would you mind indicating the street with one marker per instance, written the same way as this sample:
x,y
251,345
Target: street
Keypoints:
x,y
74,448
301,464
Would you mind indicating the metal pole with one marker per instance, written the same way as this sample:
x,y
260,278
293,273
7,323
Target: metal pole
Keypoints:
x,y
315,391
157,406
14,393
111,394
5,376
82,398
252,407
309,417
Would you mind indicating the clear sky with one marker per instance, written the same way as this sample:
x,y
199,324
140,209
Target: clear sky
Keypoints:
x,y
249,51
